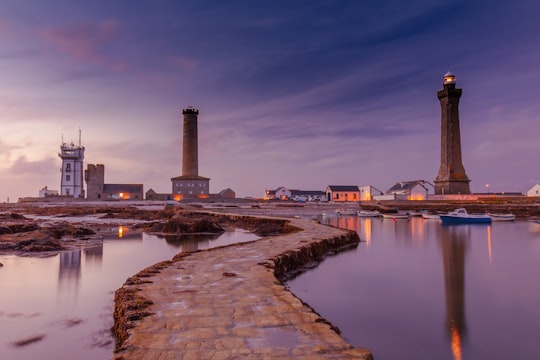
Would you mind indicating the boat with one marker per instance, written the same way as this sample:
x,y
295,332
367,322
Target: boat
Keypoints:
x,y
429,216
502,217
395,216
414,213
346,212
368,213
460,216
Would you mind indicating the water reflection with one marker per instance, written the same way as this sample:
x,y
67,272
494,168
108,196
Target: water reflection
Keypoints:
x,y
190,242
67,299
459,285
454,242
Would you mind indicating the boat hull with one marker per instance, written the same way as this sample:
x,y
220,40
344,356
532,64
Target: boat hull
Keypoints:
x,y
502,217
449,219
395,216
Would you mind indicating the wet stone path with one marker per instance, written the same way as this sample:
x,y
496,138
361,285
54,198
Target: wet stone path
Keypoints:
x,y
227,303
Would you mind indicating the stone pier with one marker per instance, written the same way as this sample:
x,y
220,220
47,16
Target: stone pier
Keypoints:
x,y
230,303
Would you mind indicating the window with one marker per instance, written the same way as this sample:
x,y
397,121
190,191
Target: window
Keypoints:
x,y
68,167
68,177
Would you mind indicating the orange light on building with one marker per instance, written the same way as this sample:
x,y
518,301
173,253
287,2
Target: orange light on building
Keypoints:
x,y
120,195
203,196
177,197
120,231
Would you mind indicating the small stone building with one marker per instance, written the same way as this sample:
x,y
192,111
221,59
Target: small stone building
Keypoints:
x,y
98,190
190,187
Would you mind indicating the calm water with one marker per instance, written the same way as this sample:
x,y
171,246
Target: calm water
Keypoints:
x,y
418,290
67,299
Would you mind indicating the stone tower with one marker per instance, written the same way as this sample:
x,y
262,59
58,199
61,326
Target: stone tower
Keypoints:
x,y
71,181
190,158
190,184
452,178
95,181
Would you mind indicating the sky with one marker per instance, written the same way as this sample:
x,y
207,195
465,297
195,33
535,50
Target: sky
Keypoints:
x,y
301,94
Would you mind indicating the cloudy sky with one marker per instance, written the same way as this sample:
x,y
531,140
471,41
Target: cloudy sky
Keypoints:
x,y
301,94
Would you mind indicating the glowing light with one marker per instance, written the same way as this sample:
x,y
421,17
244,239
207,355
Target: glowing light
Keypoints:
x,y
120,231
456,344
177,197
489,244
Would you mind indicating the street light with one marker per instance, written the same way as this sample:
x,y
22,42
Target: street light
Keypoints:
x,y
487,186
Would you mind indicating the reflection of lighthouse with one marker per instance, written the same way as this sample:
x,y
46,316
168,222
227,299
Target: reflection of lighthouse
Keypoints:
x,y
454,244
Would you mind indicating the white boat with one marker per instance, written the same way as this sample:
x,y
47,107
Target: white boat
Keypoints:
x,y
415,213
395,216
460,216
346,212
368,213
502,217
429,216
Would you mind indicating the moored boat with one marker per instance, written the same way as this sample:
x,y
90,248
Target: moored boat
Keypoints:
x,y
502,217
395,216
430,216
368,213
346,212
460,216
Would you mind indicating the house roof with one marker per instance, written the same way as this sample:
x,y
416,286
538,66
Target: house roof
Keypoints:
x,y
307,192
343,188
404,186
128,188
183,177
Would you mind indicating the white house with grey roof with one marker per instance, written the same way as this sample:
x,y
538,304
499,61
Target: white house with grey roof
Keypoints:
x,y
407,190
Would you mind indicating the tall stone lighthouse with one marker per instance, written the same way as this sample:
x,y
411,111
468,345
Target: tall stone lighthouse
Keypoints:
x,y
452,178
190,184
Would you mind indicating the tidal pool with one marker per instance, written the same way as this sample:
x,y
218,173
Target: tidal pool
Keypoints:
x,y
415,289
60,307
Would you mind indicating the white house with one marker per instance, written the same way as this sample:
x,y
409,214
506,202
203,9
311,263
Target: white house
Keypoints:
x,y
368,192
47,192
281,193
406,190
308,195
534,191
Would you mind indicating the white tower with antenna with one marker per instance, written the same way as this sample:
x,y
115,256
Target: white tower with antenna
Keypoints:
x,y
71,183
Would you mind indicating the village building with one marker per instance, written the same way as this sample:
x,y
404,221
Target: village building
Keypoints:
x,y
281,193
44,192
406,190
534,191
98,190
308,195
368,192
342,193
153,195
